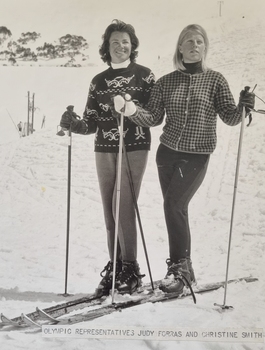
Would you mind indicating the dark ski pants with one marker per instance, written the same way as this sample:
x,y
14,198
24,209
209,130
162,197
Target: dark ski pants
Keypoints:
x,y
106,164
180,176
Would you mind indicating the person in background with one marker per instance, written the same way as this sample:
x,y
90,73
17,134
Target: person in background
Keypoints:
x,y
19,126
191,97
123,76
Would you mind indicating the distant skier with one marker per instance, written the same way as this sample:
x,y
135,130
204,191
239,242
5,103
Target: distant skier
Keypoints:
x,y
118,50
191,97
20,126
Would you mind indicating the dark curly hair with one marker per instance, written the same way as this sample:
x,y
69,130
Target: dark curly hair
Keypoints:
x,y
118,26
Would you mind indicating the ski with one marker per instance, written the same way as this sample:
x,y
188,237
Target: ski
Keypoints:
x,y
143,295
151,297
54,311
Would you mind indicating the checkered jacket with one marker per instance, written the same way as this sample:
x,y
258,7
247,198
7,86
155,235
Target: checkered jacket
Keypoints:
x,y
191,104
99,115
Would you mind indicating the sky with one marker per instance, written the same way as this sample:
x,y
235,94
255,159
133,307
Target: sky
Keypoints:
x,y
55,18
157,22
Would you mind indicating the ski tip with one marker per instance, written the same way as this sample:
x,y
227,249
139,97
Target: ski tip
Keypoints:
x,y
8,322
29,321
46,316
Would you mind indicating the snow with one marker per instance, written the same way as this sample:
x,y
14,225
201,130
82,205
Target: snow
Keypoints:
x,y
33,193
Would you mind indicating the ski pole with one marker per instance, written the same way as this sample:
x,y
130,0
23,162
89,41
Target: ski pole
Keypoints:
x,y
70,110
13,121
118,196
129,172
68,210
224,306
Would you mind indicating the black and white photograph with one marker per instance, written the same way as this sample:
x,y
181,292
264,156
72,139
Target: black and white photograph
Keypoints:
x,y
154,240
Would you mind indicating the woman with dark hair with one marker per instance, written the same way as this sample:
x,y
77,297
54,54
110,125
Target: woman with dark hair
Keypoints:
x,y
191,97
123,76
123,28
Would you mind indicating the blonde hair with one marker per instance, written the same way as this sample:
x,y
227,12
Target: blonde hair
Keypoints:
x,y
192,28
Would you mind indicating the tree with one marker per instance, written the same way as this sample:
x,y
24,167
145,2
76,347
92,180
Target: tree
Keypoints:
x,y
4,55
28,37
73,40
47,50
26,54
12,46
68,46
4,34
12,61
73,43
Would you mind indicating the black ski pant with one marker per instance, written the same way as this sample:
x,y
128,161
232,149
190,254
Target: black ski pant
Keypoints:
x,y
180,176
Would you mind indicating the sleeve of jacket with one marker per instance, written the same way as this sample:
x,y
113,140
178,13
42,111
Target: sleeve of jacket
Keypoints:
x,y
88,124
149,82
225,105
153,112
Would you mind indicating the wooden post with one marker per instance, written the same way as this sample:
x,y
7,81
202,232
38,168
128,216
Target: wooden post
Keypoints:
x,y
28,114
33,109
220,7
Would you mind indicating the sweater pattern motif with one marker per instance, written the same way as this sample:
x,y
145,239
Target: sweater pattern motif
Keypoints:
x,y
100,117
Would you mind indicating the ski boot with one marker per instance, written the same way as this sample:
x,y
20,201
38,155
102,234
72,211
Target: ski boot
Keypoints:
x,y
129,278
178,276
105,284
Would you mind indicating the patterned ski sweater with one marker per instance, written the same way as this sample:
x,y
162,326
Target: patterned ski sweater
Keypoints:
x,y
191,103
135,80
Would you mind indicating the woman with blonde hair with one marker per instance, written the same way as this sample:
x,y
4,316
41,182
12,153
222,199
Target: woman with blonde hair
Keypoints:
x,y
178,56
191,97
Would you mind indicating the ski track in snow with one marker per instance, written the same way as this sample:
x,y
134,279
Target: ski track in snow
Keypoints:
x,y
33,216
